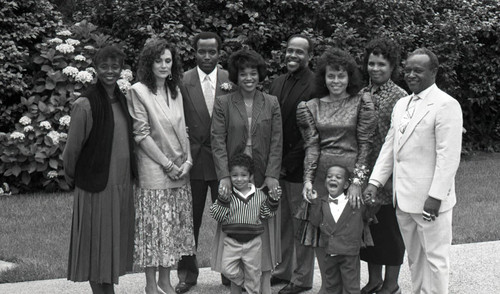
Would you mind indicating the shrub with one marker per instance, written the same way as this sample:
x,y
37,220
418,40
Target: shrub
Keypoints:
x,y
31,156
23,24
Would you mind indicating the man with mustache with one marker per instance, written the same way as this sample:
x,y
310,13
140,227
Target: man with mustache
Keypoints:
x,y
291,88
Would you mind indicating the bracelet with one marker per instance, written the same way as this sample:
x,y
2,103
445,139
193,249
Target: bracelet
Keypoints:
x,y
169,167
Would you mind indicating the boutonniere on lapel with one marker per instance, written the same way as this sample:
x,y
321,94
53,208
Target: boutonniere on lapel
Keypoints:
x,y
226,87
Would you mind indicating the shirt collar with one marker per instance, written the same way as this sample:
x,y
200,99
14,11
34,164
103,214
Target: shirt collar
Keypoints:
x,y
202,75
422,95
297,74
252,190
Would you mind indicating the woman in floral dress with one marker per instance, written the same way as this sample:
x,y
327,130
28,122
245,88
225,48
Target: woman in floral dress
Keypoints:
x,y
164,222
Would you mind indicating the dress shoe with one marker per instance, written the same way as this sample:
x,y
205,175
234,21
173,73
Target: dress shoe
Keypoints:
x,y
395,291
291,288
373,289
276,281
183,287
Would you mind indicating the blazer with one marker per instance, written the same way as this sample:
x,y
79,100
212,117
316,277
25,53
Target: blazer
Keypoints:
x,y
425,159
165,124
230,130
342,237
198,123
293,149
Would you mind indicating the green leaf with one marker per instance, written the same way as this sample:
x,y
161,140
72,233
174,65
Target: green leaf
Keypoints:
x,y
53,163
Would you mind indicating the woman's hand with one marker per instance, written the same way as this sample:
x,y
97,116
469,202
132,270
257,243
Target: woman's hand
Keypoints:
x,y
185,168
354,196
174,173
225,188
307,191
274,187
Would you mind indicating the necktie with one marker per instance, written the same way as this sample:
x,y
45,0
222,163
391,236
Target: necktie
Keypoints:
x,y
410,111
208,93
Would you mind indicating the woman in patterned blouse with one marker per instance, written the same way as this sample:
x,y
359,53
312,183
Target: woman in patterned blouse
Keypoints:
x,y
381,62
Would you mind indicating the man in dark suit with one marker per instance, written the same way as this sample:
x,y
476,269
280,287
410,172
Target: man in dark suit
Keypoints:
x,y
201,85
291,88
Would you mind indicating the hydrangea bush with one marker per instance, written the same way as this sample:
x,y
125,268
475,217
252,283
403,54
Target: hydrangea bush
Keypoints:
x,y
31,156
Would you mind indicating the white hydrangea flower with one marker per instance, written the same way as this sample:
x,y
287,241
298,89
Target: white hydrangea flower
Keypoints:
x,y
72,42
17,135
70,71
65,48
124,85
65,120
80,57
63,135
54,136
89,47
64,33
52,174
45,125
77,94
127,74
56,41
25,120
28,129
91,70
84,77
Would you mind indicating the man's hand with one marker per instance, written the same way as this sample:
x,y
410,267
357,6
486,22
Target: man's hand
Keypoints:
x,y
431,209
369,194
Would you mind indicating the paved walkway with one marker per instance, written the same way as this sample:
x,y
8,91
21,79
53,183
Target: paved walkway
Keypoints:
x,y
475,269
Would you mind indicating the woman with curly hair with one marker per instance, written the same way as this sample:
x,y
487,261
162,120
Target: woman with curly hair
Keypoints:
x,y
337,128
249,121
164,222
381,63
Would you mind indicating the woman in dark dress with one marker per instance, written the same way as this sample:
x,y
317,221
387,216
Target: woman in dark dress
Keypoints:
x,y
98,160
381,62
337,128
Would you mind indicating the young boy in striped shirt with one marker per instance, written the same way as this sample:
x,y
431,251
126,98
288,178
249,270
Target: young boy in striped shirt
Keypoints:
x,y
240,215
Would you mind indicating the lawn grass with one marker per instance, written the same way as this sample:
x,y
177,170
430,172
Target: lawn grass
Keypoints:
x,y
34,229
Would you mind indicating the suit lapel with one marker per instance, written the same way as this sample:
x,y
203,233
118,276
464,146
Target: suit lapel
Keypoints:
x,y
258,105
297,92
328,219
239,104
221,78
423,108
196,97
162,105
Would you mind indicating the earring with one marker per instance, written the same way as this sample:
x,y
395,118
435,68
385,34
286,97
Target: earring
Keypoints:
x,y
169,77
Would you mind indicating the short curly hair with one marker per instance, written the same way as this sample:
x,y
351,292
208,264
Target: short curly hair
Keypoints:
x,y
242,160
205,36
245,58
389,50
338,59
152,50
112,52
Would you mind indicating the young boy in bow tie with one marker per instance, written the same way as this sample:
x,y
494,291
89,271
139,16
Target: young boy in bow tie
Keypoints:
x,y
341,233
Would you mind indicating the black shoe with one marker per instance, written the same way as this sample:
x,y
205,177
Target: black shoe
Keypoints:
x,y
183,287
276,281
225,281
293,289
374,289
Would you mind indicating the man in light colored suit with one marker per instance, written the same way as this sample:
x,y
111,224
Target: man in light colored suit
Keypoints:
x,y
297,266
422,152
201,85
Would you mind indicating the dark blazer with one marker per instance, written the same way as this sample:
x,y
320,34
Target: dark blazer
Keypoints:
x,y
198,123
342,237
293,150
230,131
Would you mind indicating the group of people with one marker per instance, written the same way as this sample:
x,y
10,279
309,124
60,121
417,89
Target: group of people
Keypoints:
x,y
300,172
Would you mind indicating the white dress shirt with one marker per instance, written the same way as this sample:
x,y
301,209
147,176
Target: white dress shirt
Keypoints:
x,y
337,209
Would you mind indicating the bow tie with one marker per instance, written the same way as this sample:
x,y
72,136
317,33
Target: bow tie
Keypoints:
x,y
331,200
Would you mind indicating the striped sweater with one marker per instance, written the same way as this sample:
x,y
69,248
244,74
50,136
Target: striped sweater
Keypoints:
x,y
241,217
